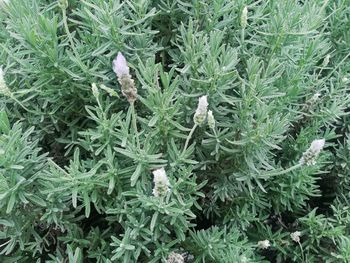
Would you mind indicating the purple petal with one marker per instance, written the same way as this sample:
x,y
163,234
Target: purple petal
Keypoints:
x,y
120,65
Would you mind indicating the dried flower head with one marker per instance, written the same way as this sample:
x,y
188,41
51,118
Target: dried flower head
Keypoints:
x,y
312,102
244,17
121,69
264,244
296,236
175,258
201,112
3,87
161,183
211,120
310,155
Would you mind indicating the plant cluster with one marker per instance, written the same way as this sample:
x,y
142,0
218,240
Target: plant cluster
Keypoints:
x,y
174,131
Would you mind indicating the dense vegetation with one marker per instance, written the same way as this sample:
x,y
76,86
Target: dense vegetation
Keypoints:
x,y
223,137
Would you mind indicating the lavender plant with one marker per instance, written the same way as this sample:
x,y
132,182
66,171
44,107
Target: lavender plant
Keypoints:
x,y
174,131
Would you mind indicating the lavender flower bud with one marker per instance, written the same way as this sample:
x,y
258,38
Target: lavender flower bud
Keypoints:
x,y
244,17
161,183
111,92
201,112
120,67
95,91
326,60
3,87
211,120
309,157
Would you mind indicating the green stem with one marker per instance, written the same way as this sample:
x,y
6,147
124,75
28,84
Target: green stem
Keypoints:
x,y
189,137
101,108
242,35
216,135
302,252
134,119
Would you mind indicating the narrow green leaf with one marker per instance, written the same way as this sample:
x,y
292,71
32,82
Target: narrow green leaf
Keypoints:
x,y
111,185
4,122
154,221
86,204
74,197
11,203
136,175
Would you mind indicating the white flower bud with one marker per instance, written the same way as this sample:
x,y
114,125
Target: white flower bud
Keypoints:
x,y
326,60
296,236
95,91
264,244
211,120
161,183
120,65
309,157
111,92
4,90
244,17
201,112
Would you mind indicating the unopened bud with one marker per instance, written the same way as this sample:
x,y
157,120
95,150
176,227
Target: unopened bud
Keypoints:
x,y
111,92
326,60
211,120
201,112
161,183
244,17
95,91
4,89
63,4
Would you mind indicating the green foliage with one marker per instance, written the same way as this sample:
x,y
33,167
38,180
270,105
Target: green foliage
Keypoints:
x,y
79,165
